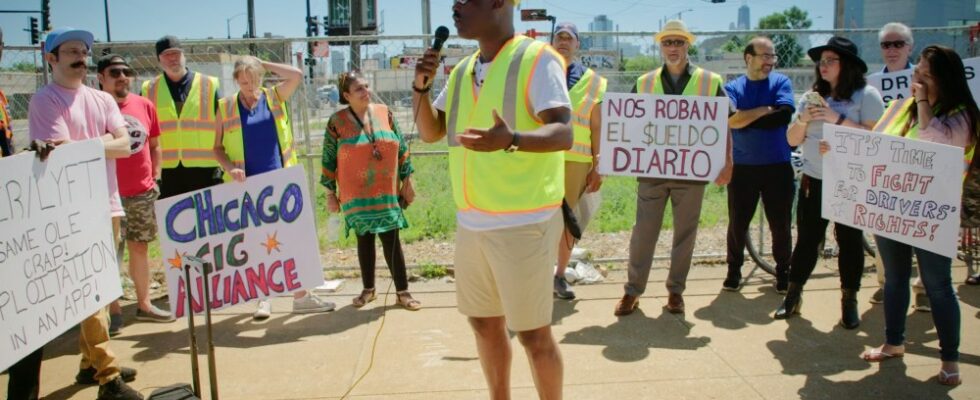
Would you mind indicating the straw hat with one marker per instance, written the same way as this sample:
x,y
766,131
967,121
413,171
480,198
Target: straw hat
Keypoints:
x,y
674,27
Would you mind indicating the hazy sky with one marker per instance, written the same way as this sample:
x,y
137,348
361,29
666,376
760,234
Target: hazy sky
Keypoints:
x,y
149,19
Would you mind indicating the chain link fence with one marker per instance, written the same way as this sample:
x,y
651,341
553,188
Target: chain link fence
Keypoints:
x,y
388,62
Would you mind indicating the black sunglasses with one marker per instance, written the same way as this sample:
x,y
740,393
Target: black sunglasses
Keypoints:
x,y
673,42
117,72
898,44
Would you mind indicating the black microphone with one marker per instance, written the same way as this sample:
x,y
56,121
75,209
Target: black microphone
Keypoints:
x,y
442,33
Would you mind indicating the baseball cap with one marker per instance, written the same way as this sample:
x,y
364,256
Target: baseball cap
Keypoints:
x,y
109,60
567,27
59,36
166,43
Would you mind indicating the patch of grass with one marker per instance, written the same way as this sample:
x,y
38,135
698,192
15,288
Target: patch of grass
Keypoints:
x,y
432,271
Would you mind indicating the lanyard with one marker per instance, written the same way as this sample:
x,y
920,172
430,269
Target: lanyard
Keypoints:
x,y
369,133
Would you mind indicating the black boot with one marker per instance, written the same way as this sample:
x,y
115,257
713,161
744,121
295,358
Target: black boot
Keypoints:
x,y
792,303
782,280
849,318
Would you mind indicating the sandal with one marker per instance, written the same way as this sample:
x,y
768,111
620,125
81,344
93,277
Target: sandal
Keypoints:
x,y
406,301
877,355
973,280
367,296
948,378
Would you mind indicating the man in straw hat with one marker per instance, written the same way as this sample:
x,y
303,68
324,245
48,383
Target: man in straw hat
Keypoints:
x,y
677,77
505,112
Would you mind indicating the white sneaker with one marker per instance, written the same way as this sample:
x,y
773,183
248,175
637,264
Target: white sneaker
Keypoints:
x,y
263,311
311,304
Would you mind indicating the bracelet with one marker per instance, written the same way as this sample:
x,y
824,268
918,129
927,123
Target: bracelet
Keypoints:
x,y
421,91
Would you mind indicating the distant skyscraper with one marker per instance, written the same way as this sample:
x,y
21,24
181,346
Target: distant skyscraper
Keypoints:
x,y
601,23
744,21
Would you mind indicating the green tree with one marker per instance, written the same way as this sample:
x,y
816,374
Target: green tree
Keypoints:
x,y
787,48
636,66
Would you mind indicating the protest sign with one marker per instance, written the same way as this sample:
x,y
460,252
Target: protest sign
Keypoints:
x,y
903,189
258,235
970,67
658,136
892,85
57,258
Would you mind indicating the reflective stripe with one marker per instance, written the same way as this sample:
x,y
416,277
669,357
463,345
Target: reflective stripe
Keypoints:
x,y
583,149
591,93
198,154
467,63
510,88
705,82
205,91
152,93
580,120
891,114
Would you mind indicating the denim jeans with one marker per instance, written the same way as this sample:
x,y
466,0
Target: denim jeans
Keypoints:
x,y
936,276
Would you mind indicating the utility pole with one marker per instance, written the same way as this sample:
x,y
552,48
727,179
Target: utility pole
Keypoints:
x,y
426,20
251,19
108,36
839,21
309,45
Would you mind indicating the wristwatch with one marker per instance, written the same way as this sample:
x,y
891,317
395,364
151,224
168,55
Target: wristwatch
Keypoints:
x,y
513,144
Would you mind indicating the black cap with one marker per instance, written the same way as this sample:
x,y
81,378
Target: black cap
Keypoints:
x,y
109,60
166,43
843,47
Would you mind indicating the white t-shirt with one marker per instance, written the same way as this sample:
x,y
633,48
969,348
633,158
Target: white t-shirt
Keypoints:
x,y
548,91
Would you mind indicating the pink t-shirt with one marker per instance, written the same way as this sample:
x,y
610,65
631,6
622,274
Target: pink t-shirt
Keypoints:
x,y
57,113
135,172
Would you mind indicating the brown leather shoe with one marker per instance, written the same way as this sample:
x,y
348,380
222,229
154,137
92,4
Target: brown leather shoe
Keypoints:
x,y
675,303
626,305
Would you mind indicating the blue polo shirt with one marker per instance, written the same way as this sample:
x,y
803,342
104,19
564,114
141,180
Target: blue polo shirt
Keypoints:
x,y
754,146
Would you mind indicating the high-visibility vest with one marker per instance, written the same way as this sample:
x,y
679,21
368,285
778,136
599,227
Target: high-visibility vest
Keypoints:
x,y
231,124
586,93
5,116
187,138
896,117
702,83
501,183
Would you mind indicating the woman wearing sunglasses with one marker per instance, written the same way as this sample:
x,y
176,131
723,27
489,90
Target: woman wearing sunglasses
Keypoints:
x,y
255,136
367,172
839,96
941,110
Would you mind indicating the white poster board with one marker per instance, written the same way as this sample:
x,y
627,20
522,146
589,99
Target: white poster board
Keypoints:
x,y
903,189
57,255
892,85
258,235
662,136
971,66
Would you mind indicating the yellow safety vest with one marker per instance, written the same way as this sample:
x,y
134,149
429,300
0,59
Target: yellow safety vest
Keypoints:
x,y
186,139
498,182
702,83
895,118
586,93
231,124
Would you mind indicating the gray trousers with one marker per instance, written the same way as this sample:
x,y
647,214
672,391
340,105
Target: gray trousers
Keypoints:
x,y
651,200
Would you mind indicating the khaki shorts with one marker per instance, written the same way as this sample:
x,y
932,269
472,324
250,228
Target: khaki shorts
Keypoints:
x,y
140,223
576,174
508,272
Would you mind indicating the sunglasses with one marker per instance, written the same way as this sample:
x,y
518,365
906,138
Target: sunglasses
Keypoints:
x,y
673,42
767,57
896,44
117,72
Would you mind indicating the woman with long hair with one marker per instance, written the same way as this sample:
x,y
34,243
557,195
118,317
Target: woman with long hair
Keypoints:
x,y
839,96
941,110
367,173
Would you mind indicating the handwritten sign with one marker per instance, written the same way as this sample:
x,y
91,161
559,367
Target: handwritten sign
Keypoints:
x,y
892,85
658,136
57,258
903,189
258,235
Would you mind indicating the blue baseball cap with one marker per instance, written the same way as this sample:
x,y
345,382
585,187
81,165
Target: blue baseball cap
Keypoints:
x,y
61,35
567,27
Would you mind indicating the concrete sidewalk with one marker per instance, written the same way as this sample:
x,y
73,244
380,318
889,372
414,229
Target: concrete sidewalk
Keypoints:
x,y
726,346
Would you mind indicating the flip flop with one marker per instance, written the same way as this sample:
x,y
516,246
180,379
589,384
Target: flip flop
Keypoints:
x,y
948,378
876,355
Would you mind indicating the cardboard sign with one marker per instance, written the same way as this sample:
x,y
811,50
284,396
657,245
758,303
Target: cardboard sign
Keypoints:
x,y
971,66
662,136
258,235
893,85
903,189
57,255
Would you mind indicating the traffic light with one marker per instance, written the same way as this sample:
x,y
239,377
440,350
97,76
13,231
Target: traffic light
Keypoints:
x,y
46,15
326,23
35,34
312,28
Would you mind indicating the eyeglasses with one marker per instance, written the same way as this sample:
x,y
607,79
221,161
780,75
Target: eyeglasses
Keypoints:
x,y
462,2
117,72
895,44
75,52
829,61
767,57
673,42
